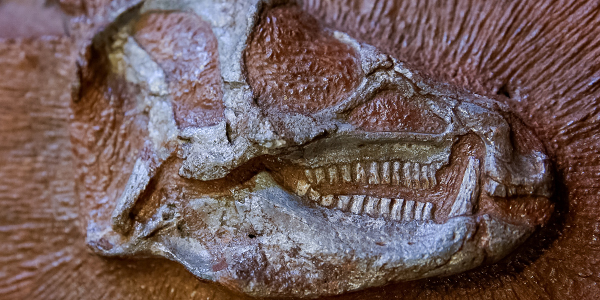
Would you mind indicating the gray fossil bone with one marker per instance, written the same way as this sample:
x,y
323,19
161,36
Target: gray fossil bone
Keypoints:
x,y
302,235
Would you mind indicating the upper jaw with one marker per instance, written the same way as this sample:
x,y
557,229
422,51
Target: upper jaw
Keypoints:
x,y
348,147
506,174
394,164
503,173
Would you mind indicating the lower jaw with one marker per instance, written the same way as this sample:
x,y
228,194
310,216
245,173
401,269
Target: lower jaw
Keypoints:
x,y
367,251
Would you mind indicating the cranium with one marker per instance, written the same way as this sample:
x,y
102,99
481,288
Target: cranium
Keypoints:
x,y
277,157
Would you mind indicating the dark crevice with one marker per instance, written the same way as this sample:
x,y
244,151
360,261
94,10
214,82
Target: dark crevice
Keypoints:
x,y
503,90
106,38
228,132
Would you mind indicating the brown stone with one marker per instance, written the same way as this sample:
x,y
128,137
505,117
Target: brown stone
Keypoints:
x,y
185,47
391,112
295,66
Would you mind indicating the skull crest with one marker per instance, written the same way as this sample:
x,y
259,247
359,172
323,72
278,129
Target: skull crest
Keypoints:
x,y
278,157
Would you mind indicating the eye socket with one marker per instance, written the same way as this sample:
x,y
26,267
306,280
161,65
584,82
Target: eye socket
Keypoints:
x,y
390,112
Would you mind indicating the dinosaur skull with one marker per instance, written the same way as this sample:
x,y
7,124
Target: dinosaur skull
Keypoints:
x,y
280,158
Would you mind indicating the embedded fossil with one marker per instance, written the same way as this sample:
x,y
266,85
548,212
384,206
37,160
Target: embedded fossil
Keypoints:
x,y
280,158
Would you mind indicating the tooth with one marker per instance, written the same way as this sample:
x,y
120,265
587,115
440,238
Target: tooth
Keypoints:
x,y
428,211
407,213
424,176
384,207
406,174
512,191
419,210
357,203
374,173
468,192
319,175
416,175
432,179
302,187
361,177
343,202
314,195
346,174
396,173
385,173
396,213
371,206
327,200
333,176
309,176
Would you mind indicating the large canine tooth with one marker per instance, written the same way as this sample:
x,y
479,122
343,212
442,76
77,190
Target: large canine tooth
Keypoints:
x,y
371,206
346,173
327,200
319,175
309,176
425,176
419,211
357,203
408,212
314,195
416,172
468,192
428,211
385,173
374,173
361,176
432,179
343,202
396,213
396,173
302,187
406,174
384,207
333,176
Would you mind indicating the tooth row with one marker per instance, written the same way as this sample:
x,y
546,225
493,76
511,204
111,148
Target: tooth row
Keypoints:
x,y
393,209
409,174
411,210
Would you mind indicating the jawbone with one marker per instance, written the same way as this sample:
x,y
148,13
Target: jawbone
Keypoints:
x,y
332,225
267,238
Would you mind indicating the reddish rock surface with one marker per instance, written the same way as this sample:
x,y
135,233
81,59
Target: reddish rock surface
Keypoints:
x,y
186,49
542,55
389,112
31,19
294,65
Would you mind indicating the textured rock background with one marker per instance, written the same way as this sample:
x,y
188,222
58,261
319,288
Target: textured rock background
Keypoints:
x,y
543,55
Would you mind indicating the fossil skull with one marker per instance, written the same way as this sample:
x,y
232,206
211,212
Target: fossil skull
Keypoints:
x,y
281,158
